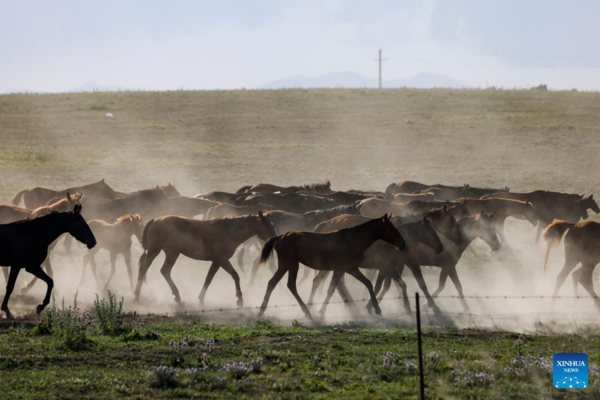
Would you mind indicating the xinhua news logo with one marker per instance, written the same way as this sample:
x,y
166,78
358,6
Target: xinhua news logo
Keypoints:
x,y
570,370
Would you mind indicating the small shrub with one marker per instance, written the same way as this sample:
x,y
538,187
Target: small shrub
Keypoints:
x,y
239,370
98,107
164,377
110,314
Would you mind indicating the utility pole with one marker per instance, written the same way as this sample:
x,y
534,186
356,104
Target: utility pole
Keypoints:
x,y
381,60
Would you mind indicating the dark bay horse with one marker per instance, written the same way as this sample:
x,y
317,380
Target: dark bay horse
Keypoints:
x,y
382,256
321,187
341,252
223,210
413,187
376,207
501,208
116,238
221,197
582,245
478,226
190,207
39,196
149,203
212,240
340,198
555,205
467,191
24,245
292,202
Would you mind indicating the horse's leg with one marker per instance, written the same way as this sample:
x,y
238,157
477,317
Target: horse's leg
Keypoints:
x,y
240,258
318,279
382,280
365,281
236,278
305,274
346,296
32,282
400,282
94,268
5,272
281,270
145,262
416,270
576,276
10,285
38,272
166,273
127,256
292,276
214,267
86,261
586,280
442,282
67,243
337,275
454,277
570,264
113,268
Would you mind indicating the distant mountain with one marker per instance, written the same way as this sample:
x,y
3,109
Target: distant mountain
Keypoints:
x,y
351,79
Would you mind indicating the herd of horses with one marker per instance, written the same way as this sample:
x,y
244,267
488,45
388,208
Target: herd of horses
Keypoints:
x,y
410,225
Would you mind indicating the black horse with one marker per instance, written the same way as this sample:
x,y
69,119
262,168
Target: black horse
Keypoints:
x,y
24,244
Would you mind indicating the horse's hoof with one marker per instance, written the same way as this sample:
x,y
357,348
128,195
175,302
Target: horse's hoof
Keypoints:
x,y
240,303
39,308
177,300
436,310
408,310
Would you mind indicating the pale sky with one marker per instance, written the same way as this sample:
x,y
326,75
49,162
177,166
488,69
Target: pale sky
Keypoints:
x,y
54,46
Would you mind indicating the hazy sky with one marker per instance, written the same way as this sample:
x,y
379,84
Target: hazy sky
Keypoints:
x,y
64,45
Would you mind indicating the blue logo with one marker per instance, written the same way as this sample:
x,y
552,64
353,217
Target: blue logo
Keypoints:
x,y
570,370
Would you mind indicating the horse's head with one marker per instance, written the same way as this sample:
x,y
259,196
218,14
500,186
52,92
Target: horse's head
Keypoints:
x,y
138,226
79,229
170,190
588,203
444,222
389,233
266,229
429,237
486,230
69,202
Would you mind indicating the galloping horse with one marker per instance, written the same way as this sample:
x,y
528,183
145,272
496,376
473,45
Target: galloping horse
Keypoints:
x,y
24,244
582,245
554,205
322,187
382,256
116,238
39,196
212,240
472,227
341,252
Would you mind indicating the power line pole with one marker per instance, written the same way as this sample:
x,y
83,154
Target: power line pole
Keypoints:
x,y
381,60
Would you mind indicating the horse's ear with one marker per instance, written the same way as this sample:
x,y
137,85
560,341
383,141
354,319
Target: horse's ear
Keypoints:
x,y
591,196
391,215
260,214
492,214
77,209
445,208
426,220
102,180
385,217
158,187
68,196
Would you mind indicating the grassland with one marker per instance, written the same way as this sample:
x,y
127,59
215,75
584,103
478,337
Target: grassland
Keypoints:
x,y
223,140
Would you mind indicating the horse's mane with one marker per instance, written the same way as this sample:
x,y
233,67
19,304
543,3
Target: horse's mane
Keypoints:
x,y
320,185
363,225
127,217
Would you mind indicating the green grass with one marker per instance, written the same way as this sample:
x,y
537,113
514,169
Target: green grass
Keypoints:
x,y
337,361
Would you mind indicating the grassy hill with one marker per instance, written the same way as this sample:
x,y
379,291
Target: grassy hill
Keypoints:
x,y
356,138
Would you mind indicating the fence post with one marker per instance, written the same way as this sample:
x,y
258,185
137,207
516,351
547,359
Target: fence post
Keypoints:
x,y
420,345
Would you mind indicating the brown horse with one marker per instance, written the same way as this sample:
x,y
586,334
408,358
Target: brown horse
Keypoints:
x,y
582,245
501,208
149,203
406,197
382,256
376,207
478,226
322,187
10,213
169,189
554,205
116,238
39,196
467,191
341,252
291,202
213,240
190,207
223,210
413,187
24,245
221,197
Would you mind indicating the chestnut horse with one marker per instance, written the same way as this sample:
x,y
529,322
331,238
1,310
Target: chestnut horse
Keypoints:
x,y
212,240
116,238
582,245
24,245
39,196
341,252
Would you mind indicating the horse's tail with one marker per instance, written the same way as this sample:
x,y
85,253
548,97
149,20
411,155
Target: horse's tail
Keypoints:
x,y
267,249
145,234
552,236
244,189
18,197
